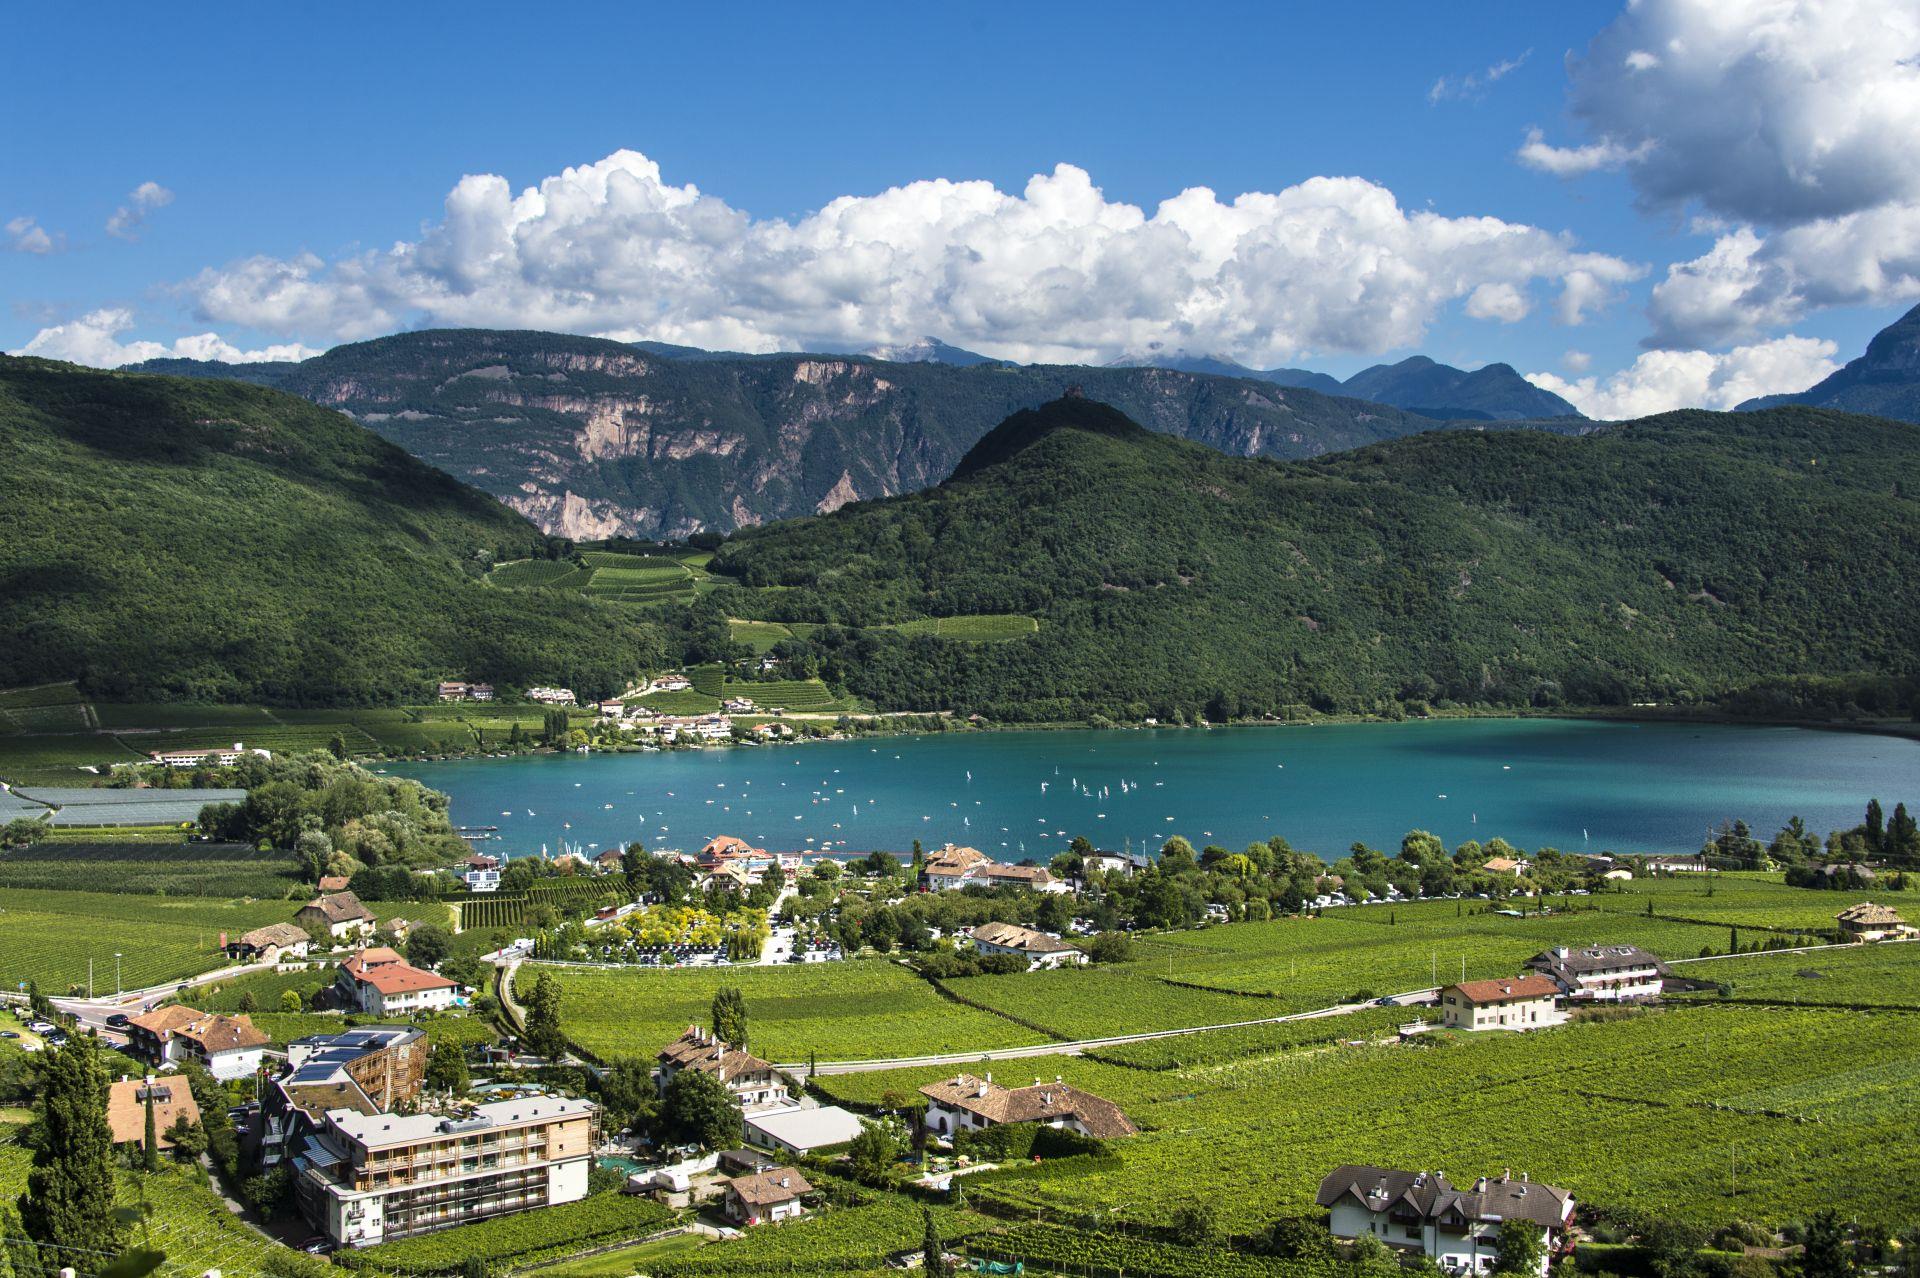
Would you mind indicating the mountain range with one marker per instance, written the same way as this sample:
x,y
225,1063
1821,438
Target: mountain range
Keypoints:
x,y
169,538
1670,559
1885,381
593,439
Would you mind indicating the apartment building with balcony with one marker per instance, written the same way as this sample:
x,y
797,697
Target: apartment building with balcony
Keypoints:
x,y
371,1178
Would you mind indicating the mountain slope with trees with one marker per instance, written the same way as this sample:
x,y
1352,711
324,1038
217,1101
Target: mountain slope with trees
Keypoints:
x,y
1885,381
1670,559
592,438
162,538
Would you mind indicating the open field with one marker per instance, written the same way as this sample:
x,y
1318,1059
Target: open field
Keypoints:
x,y
837,1011
613,576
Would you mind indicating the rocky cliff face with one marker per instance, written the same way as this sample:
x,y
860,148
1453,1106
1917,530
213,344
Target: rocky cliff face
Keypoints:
x,y
591,438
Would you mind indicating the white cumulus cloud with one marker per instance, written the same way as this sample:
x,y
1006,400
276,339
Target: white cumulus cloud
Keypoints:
x,y
1661,380
1055,272
1790,123
141,201
94,339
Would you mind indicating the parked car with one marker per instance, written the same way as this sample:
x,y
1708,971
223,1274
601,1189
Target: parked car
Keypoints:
x,y
119,1020
9,1033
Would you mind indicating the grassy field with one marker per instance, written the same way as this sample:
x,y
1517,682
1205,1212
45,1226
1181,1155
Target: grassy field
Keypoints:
x,y
839,1011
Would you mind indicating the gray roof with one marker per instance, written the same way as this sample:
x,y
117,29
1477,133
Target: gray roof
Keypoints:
x,y
1565,964
1431,1197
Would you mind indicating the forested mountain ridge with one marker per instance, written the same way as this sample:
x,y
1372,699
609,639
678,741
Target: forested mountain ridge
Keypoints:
x,y
592,438
162,538
1668,559
1885,381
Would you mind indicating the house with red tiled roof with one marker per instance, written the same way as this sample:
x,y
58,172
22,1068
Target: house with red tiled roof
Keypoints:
x,y
227,1047
1509,1003
127,1109
378,980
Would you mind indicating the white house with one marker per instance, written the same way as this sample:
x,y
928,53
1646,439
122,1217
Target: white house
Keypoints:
x,y
1513,1003
551,696
340,913
1037,948
755,1084
228,1047
378,980
1603,973
964,1103
1869,922
1421,1212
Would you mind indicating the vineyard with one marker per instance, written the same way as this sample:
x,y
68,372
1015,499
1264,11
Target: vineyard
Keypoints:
x,y
1859,976
568,896
174,868
1102,1255
519,1239
611,575
536,572
847,1239
975,628
49,936
837,1011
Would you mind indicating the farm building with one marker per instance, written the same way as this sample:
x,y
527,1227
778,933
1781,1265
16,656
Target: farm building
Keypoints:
x,y
339,912
1869,922
965,1103
771,1195
276,940
754,1083
1513,1003
1037,948
1603,973
378,980
1422,1213
225,757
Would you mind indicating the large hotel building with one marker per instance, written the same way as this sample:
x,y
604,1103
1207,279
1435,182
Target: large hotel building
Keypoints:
x,y
369,1178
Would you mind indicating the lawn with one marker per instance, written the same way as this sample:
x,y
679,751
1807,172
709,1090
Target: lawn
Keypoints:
x,y
859,1009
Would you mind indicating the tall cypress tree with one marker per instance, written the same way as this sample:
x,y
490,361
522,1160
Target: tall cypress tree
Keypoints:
x,y
152,1135
936,1255
730,1017
1875,822
68,1207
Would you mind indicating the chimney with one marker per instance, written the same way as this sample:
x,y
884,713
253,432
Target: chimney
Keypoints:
x,y
1523,1178
1506,1174
785,1182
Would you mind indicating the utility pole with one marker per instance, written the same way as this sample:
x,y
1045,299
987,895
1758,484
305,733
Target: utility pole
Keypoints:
x,y
116,973
89,976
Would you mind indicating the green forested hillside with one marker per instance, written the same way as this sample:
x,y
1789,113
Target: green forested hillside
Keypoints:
x,y
1669,559
165,538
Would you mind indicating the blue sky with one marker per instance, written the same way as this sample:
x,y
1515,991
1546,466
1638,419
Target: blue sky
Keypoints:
x,y
278,132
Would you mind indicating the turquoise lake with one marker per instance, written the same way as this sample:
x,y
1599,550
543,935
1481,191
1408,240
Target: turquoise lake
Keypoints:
x,y
1572,784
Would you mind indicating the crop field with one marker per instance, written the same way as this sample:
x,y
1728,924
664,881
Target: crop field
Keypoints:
x,y
49,707
992,627
1097,1002
839,1241
759,635
535,572
1312,962
180,715
686,701
859,1009
805,695
187,1222
519,1238
63,759
490,909
1710,1113
49,936
176,868
1862,975
1744,900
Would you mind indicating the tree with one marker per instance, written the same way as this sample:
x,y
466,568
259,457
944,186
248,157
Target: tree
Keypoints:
x,y
151,1135
1825,1254
1193,1223
290,1001
68,1206
429,945
934,1264
188,1138
1297,1238
1875,826
544,1035
700,1109
447,1069
627,1095
1671,1247
247,1002
1907,1263
730,1016
1111,947
1523,1248
337,747
873,1152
